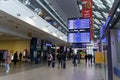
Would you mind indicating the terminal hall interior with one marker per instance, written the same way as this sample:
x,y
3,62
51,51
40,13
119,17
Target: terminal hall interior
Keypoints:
x,y
59,39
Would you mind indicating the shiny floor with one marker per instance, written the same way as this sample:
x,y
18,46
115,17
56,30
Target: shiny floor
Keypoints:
x,y
43,72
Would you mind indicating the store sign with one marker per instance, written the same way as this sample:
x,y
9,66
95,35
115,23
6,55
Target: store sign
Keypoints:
x,y
87,13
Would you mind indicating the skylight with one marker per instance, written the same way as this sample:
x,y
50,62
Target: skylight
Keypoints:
x,y
109,3
105,14
97,14
96,26
97,21
99,4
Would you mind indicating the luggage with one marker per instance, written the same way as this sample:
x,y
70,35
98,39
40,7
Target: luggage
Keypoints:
x,y
64,65
53,64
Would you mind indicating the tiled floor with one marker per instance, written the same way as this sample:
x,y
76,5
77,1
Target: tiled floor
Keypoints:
x,y
42,72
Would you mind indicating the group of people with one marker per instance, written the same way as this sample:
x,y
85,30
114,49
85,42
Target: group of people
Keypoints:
x,y
89,58
8,57
61,58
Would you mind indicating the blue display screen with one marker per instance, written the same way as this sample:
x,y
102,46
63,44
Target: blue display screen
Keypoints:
x,y
79,23
107,20
104,40
79,37
118,35
102,30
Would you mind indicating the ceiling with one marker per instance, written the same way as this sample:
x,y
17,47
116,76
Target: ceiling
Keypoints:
x,y
14,24
72,9
63,10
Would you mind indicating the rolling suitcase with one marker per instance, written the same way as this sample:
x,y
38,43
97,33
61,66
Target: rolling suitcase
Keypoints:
x,y
53,64
64,65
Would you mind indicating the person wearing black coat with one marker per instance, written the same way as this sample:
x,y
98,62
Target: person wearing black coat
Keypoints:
x,y
20,56
15,58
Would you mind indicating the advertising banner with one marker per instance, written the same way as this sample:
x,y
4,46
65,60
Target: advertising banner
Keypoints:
x,y
87,13
99,57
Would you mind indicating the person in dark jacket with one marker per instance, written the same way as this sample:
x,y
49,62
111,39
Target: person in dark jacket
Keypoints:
x,y
20,56
59,57
75,57
64,60
39,57
85,58
15,59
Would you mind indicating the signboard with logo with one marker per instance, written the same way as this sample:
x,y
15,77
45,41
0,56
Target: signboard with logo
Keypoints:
x,y
87,13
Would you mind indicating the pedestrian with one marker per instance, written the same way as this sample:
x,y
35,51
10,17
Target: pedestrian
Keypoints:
x,y
75,57
59,57
85,58
7,61
15,58
20,56
39,57
53,60
64,60
49,58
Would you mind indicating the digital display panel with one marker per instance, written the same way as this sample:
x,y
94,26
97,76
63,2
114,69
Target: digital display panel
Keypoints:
x,y
102,30
104,40
118,35
79,37
107,20
79,45
79,23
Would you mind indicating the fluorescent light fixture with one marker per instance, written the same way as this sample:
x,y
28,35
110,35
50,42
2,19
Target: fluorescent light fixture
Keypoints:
x,y
115,16
60,37
33,17
97,21
105,14
54,34
26,2
80,7
110,3
95,36
97,14
109,24
99,4
96,26
102,21
93,6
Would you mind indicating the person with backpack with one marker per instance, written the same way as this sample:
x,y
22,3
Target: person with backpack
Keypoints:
x,y
59,57
49,59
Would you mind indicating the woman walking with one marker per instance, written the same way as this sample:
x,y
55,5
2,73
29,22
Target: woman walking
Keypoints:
x,y
7,61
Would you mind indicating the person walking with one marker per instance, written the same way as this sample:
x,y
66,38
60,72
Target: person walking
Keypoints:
x,y
15,59
75,57
38,57
64,60
59,57
7,61
20,56
49,58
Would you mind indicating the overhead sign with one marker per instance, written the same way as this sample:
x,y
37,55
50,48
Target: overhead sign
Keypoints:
x,y
79,37
87,13
82,23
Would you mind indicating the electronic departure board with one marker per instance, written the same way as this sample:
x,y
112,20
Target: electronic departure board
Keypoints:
x,y
79,37
104,40
118,32
79,23
102,30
